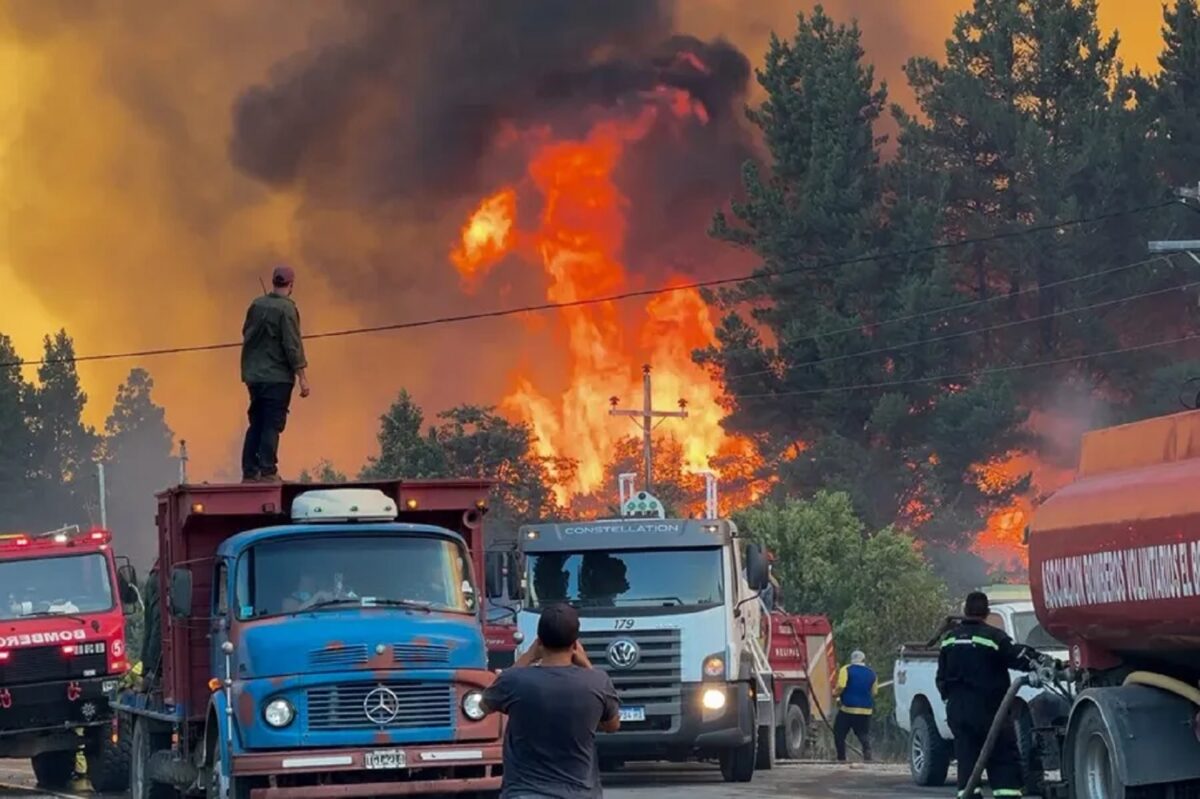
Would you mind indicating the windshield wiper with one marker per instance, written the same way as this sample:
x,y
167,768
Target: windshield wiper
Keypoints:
x,y
666,600
329,603
44,613
371,602
409,604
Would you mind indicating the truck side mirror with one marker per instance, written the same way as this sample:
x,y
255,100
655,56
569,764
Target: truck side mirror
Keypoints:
x,y
516,580
127,574
757,572
493,568
181,592
130,595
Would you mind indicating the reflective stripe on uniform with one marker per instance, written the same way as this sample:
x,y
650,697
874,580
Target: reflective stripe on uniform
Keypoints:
x,y
975,640
998,792
976,792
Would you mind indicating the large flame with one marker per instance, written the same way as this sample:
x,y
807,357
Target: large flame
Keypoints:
x,y
1002,541
577,244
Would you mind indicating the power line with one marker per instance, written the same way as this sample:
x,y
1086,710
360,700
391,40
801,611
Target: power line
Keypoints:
x,y
973,373
627,295
961,333
952,308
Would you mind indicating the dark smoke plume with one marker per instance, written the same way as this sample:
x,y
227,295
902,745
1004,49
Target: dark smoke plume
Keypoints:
x,y
410,102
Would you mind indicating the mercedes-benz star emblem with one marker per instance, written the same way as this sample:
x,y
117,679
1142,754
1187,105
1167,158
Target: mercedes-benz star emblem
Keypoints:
x,y
623,653
381,706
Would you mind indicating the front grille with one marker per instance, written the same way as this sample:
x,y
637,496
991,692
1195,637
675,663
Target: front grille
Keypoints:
x,y
343,706
654,682
338,656
48,664
421,656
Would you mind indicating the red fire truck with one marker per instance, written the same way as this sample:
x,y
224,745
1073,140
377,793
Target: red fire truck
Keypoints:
x,y
62,650
803,664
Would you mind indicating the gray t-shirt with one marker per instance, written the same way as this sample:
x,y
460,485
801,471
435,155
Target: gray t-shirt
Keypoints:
x,y
553,713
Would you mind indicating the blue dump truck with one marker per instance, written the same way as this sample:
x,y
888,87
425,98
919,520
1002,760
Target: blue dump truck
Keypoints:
x,y
306,642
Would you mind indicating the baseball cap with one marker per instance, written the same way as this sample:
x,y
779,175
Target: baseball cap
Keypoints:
x,y
283,275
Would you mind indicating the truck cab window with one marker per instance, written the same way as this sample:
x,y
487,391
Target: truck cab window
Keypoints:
x,y
627,579
58,584
328,571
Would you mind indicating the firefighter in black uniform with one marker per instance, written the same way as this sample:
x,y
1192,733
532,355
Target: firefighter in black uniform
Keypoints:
x,y
972,678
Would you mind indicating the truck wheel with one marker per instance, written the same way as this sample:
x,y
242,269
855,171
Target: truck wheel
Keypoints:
x,y
764,758
1032,774
928,754
792,735
1093,766
108,762
54,769
737,765
142,748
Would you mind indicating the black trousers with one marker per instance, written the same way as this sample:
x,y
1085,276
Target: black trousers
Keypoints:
x,y
268,412
969,720
860,724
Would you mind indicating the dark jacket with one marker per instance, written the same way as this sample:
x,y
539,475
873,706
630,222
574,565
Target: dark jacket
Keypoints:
x,y
975,659
272,350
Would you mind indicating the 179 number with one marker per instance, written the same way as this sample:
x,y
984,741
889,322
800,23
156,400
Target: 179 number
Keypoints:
x,y
623,624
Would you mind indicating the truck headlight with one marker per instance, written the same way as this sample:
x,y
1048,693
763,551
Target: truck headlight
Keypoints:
x,y
279,713
714,666
713,698
472,706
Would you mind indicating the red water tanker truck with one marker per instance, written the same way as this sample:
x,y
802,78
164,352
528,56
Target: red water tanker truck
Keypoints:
x,y
1114,563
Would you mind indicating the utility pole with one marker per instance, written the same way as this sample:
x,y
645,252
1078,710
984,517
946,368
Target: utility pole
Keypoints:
x,y
183,460
647,415
103,495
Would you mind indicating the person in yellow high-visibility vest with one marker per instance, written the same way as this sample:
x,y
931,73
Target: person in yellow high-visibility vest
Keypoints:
x,y
855,690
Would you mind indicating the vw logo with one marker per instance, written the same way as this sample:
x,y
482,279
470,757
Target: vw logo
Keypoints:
x,y
381,706
623,653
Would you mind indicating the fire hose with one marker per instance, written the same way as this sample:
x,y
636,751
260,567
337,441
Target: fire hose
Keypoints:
x,y
1044,675
802,647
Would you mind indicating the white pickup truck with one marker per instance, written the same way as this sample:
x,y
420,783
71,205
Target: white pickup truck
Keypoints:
x,y
921,712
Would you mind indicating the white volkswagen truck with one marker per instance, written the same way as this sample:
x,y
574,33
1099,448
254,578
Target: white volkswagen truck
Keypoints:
x,y
669,608
921,712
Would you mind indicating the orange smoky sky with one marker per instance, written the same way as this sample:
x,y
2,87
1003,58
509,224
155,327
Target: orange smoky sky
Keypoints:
x,y
128,222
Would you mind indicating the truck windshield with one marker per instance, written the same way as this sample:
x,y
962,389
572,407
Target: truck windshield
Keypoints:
x,y
1027,631
61,585
330,572
626,579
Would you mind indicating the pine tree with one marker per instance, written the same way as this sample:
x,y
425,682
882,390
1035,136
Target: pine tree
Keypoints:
x,y
903,447
1177,94
138,456
16,442
1031,121
403,450
63,474
323,472
473,442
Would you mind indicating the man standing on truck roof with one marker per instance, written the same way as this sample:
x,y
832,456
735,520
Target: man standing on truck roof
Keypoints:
x,y
855,688
555,702
272,361
972,678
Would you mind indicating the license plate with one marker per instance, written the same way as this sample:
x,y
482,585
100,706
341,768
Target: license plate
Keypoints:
x,y
385,759
633,714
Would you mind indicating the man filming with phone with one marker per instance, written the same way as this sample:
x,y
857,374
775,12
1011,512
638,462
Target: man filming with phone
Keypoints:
x,y
555,702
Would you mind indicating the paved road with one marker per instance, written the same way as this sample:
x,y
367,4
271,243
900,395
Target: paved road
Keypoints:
x,y
797,781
